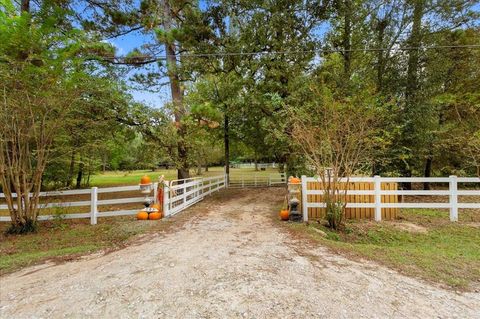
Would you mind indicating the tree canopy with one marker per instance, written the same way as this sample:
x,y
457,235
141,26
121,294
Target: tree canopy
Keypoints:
x,y
247,80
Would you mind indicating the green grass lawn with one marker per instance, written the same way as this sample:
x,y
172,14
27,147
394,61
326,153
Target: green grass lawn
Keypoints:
x,y
436,249
120,178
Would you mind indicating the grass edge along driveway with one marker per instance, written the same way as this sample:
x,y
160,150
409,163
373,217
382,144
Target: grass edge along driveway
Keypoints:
x,y
421,243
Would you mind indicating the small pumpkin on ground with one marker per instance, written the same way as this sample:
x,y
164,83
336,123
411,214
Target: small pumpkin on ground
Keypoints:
x,y
284,214
155,216
142,215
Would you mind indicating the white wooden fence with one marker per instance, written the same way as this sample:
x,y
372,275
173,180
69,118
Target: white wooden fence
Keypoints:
x,y
252,165
452,192
180,195
261,180
184,193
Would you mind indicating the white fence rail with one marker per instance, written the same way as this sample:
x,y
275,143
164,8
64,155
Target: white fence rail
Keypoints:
x,y
252,165
242,181
453,192
184,193
178,196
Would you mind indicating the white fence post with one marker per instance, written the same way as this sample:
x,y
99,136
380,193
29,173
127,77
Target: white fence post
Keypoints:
x,y
93,206
304,198
166,197
378,198
453,188
155,191
172,202
184,194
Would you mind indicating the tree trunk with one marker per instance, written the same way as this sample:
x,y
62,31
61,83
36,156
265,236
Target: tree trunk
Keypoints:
x,y
428,171
405,185
347,41
81,165
375,169
183,171
199,168
206,167
89,171
25,6
177,95
226,141
412,86
104,163
382,25
413,55
68,182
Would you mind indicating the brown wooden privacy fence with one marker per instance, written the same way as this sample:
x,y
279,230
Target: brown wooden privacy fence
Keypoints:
x,y
355,195
377,196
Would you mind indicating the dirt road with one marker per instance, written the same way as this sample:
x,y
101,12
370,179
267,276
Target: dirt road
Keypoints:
x,y
229,260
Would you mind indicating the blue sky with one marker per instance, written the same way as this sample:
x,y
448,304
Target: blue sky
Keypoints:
x,y
126,44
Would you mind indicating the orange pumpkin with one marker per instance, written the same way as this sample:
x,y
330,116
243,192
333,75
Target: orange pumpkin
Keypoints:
x,y
154,216
284,214
295,180
145,180
142,215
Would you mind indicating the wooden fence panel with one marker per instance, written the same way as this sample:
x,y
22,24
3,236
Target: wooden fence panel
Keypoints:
x,y
349,198
363,211
386,213
371,199
356,212
382,194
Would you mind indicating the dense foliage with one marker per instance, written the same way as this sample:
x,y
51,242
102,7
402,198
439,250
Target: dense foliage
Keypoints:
x,y
248,80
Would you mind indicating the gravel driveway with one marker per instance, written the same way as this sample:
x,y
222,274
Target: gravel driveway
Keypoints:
x,y
229,260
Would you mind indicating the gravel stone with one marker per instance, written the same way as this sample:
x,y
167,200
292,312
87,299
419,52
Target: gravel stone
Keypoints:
x,y
230,260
